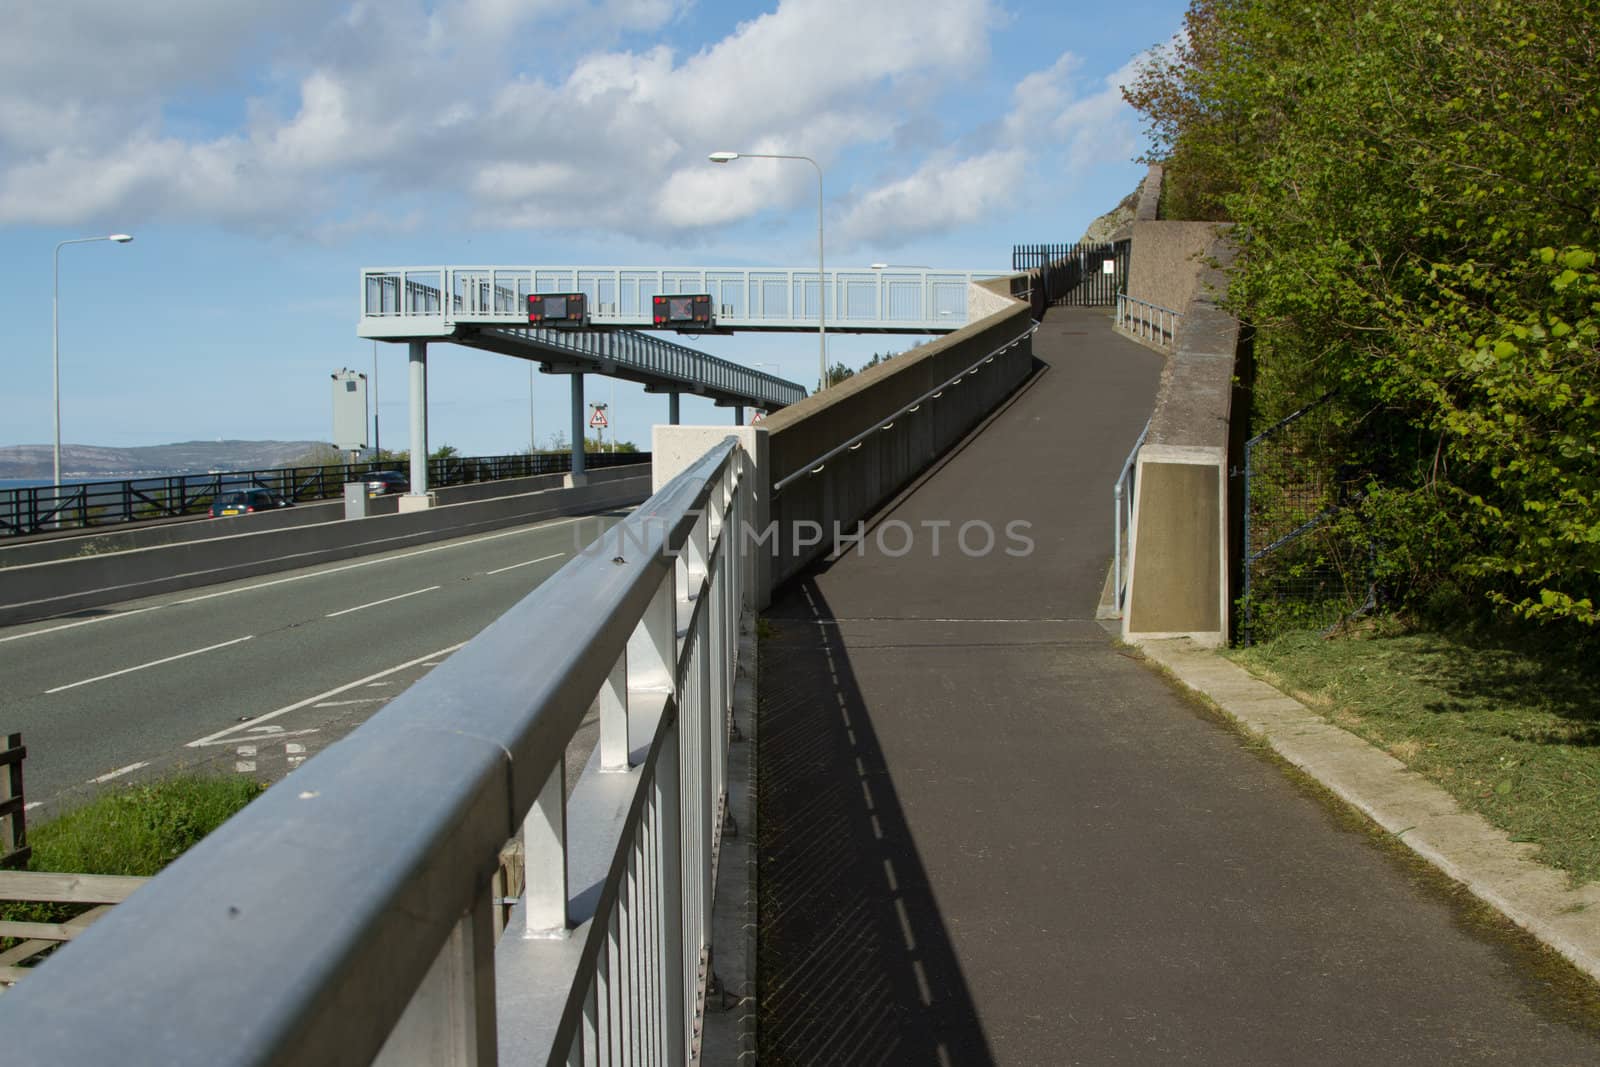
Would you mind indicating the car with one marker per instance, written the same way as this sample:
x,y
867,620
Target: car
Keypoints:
x,y
380,482
245,502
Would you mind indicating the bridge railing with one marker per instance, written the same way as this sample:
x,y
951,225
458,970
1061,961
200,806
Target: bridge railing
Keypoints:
x,y
777,298
30,509
1122,494
357,911
1147,321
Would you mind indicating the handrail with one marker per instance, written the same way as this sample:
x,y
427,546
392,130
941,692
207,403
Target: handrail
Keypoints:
x,y
815,466
1162,329
349,915
1122,517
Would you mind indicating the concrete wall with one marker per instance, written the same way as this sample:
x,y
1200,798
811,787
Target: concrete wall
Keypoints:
x,y
1167,260
1178,569
1149,206
42,590
154,535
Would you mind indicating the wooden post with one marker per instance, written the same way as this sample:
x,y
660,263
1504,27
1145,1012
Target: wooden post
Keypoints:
x,y
14,850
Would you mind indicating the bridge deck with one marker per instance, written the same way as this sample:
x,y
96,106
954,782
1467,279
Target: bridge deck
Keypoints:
x,y
989,835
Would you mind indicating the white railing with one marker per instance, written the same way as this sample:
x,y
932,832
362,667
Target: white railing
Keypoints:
x,y
354,913
1147,321
906,300
1122,521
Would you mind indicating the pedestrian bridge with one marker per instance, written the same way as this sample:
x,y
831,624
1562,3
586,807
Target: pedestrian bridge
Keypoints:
x,y
416,302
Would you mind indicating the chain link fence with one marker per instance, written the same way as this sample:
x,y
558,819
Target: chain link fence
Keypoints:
x,y
1308,553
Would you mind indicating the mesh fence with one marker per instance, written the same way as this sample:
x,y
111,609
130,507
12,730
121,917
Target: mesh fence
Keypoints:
x,y
1308,554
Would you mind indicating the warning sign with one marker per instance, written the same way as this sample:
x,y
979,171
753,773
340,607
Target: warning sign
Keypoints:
x,y
598,419
757,417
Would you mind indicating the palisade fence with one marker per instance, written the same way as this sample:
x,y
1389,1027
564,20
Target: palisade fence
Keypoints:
x,y
355,912
1308,560
1079,275
84,504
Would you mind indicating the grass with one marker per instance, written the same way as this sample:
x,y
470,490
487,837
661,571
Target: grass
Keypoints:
x,y
136,831
1508,727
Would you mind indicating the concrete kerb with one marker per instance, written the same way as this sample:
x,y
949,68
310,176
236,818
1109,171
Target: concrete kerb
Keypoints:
x,y
1462,844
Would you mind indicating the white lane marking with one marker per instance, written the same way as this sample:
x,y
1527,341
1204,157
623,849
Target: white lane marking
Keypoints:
x,y
118,773
256,737
308,701
378,685
246,750
31,806
385,600
244,766
293,750
347,703
324,572
80,622
146,666
527,563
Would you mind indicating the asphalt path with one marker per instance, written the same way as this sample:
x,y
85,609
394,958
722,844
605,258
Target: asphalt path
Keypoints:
x,y
255,676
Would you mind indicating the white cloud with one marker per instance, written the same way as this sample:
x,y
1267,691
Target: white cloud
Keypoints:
x,y
292,116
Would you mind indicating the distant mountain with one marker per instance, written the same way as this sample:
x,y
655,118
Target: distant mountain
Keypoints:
x,y
187,457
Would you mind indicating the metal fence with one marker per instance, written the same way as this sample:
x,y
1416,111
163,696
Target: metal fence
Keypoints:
x,y
1147,321
1081,275
353,913
1307,559
33,509
1122,521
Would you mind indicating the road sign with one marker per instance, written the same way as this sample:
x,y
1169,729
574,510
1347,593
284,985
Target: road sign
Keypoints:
x,y
757,417
597,421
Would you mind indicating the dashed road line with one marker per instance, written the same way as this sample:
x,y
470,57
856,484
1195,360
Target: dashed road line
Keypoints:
x,y
118,773
526,563
385,600
146,666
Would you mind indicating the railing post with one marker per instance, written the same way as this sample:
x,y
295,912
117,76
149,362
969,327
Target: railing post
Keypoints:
x,y
450,1021
613,707
668,803
544,840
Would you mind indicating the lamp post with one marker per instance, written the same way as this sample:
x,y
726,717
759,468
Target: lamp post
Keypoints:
x,y
55,335
822,277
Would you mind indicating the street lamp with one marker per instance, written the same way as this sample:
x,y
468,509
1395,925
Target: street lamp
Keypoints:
x,y
55,333
822,277
898,266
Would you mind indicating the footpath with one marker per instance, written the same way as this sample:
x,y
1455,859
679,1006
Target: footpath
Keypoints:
x,y
991,835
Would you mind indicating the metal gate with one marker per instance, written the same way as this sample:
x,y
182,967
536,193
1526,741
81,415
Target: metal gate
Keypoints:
x,y
1080,275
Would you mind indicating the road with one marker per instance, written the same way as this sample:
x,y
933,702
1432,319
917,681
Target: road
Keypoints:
x,y
255,676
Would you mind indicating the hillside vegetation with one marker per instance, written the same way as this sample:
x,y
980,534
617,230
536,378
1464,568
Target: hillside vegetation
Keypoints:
x,y
1416,191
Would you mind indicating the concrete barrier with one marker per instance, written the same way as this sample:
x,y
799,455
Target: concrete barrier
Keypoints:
x,y
1178,556
177,532
42,590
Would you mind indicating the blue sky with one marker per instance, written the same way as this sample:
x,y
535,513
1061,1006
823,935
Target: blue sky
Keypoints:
x,y
262,154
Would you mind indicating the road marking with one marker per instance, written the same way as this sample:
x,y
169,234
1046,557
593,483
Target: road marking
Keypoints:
x,y
81,622
34,804
323,572
118,773
246,750
385,600
347,703
526,563
297,705
145,666
254,736
244,766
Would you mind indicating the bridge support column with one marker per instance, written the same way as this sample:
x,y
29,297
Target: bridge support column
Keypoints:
x,y
673,416
417,497
579,429
738,414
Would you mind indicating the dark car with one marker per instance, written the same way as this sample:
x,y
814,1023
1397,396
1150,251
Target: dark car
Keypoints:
x,y
379,482
245,502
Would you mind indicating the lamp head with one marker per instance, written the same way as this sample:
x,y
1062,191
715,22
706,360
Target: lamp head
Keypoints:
x,y
120,238
879,266
723,157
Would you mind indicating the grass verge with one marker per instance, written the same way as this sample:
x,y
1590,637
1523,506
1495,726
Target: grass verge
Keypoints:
x,y
136,830
1509,728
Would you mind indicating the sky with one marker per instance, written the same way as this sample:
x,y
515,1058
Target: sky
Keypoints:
x,y
262,154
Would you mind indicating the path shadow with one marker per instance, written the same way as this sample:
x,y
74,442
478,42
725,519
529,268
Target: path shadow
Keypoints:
x,y
856,963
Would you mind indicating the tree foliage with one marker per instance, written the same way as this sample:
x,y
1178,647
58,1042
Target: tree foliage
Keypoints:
x,y
1416,191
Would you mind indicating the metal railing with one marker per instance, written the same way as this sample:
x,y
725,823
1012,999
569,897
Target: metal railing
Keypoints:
x,y
660,359
1150,322
1087,274
32,509
815,466
913,300
1122,520
351,914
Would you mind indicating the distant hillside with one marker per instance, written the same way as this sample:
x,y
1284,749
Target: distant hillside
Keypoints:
x,y
1115,224
187,457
